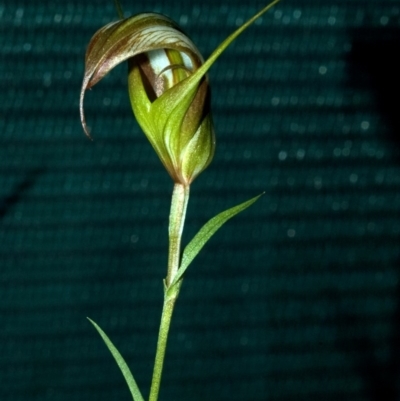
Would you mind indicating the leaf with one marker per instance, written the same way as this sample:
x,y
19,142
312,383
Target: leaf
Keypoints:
x,y
205,233
193,80
133,387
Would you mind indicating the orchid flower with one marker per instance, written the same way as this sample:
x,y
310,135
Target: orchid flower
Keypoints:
x,y
168,87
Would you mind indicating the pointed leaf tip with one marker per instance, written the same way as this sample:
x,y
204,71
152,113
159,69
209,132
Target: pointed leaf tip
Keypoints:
x,y
206,232
194,79
133,387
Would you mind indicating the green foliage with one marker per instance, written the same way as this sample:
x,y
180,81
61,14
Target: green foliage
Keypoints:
x,y
133,387
205,233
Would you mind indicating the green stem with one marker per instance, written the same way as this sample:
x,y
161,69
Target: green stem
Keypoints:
x,y
166,316
180,198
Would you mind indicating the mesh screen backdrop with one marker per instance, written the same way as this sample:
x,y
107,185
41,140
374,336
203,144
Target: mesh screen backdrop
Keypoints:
x,y
298,298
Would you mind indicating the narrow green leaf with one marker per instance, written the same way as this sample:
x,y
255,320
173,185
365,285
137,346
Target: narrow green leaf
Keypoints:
x,y
206,232
194,79
133,387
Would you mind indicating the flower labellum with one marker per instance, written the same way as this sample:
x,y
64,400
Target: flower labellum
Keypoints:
x,y
168,87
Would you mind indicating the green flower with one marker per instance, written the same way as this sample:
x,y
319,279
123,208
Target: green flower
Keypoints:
x,y
168,87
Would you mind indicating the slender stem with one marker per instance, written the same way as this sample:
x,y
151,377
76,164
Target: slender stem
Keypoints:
x,y
166,316
180,198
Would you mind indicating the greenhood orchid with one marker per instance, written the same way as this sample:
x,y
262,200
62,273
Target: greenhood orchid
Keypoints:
x,y
160,58
170,97
168,87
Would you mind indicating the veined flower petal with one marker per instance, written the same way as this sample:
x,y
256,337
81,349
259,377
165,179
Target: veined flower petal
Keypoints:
x,y
121,40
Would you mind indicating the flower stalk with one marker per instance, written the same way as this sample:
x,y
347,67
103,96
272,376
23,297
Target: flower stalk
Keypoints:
x,y
179,202
165,324
180,198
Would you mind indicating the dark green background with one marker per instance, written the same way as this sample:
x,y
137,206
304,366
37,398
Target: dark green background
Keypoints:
x,y
298,298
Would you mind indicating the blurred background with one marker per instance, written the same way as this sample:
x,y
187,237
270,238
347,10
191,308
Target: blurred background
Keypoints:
x,y
298,298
